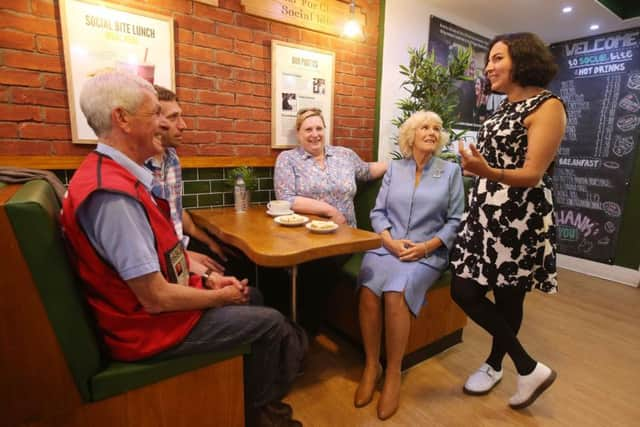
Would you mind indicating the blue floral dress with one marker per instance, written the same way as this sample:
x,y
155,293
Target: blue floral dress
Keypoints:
x,y
298,174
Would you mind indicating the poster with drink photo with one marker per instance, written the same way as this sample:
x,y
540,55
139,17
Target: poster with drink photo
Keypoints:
x,y
99,37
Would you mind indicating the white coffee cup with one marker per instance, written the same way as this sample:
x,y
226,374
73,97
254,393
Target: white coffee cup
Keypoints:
x,y
279,206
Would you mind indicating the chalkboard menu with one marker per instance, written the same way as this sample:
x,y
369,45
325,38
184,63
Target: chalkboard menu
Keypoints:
x,y
599,81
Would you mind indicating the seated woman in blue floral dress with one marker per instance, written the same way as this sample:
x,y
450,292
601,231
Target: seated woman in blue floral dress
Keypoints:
x,y
320,179
417,214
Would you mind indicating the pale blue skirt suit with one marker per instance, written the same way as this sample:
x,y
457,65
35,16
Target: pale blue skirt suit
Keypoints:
x,y
433,208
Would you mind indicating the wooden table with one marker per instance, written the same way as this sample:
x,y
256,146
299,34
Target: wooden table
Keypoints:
x,y
272,245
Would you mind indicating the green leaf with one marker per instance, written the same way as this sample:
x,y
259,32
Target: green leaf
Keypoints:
x,y
432,86
247,174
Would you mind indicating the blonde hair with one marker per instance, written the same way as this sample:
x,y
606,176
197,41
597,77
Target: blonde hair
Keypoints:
x,y
305,113
408,132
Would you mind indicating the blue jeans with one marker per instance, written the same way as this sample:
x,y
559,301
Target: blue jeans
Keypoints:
x,y
277,345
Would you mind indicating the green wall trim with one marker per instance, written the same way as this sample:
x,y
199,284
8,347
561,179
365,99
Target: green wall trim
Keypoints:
x,y
376,130
628,247
625,9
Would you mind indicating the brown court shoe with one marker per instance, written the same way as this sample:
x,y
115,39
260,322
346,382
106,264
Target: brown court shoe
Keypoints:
x,y
364,392
390,397
280,408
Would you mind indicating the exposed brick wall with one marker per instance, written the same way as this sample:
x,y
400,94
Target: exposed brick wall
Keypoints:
x,y
223,61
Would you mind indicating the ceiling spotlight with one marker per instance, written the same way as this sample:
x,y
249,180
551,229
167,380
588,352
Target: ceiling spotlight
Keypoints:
x,y
594,27
567,9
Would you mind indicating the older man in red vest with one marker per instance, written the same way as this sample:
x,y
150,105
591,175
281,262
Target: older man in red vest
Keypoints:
x,y
138,284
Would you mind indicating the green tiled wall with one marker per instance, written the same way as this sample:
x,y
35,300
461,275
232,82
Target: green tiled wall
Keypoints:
x,y
206,187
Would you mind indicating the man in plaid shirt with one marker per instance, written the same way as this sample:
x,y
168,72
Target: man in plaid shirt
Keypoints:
x,y
167,185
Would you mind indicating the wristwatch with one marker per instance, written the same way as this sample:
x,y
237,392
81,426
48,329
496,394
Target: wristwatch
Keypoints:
x,y
206,274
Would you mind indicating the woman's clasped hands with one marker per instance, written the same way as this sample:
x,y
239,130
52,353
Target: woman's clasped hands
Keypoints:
x,y
405,249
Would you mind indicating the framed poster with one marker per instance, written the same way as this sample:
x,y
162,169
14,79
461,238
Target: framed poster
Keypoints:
x,y
100,36
301,77
475,101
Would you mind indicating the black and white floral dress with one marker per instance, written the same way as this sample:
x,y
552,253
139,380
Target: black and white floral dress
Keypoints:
x,y
507,236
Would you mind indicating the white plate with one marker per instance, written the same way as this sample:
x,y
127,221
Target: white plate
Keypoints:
x,y
319,230
287,212
284,220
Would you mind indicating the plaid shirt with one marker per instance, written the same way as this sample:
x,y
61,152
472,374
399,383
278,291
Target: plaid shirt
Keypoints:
x,y
167,185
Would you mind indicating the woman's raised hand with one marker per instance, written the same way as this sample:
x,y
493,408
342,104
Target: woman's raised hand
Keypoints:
x,y
472,161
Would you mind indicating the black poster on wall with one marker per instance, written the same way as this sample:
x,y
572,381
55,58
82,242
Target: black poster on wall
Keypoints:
x,y
599,81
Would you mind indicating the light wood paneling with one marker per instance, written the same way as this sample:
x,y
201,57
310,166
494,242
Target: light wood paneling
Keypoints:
x,y
589,333
203,397
439,318
35,377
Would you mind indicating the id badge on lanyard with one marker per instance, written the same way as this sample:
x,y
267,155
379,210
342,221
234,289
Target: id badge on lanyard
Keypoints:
x,y
177,265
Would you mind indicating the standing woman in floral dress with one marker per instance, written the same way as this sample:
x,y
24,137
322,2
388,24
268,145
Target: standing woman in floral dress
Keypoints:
x,y
507,242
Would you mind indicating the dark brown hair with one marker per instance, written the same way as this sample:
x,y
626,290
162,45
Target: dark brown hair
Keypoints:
x,y
165,94
533,63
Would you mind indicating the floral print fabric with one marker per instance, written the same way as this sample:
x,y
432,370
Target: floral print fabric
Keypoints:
x,y
298,174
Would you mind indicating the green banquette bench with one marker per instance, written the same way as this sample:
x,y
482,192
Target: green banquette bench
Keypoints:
x,y
440,323
52,364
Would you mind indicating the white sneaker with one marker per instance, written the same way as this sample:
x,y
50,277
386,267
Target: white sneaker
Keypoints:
x,y
531,386
482,381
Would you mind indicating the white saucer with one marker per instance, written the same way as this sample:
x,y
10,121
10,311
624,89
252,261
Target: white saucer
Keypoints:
x,y
287,212
310,227
282,220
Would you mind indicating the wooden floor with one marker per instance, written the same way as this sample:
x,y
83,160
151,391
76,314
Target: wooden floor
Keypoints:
x,y
589,333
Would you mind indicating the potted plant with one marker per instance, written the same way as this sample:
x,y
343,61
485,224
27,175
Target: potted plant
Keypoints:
x,y
248,176
432,87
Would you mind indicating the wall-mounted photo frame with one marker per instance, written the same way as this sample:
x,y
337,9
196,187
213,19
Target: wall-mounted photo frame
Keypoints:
x,y
301,77
98,36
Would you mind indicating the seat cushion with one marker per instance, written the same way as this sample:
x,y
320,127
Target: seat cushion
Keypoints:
x,y
351,268
364,201
120,377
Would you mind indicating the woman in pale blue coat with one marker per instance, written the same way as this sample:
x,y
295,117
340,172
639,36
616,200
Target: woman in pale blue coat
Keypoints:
x,y
417,214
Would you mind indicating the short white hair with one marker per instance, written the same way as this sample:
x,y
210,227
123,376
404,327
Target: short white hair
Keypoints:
x,y
107,91
408,132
